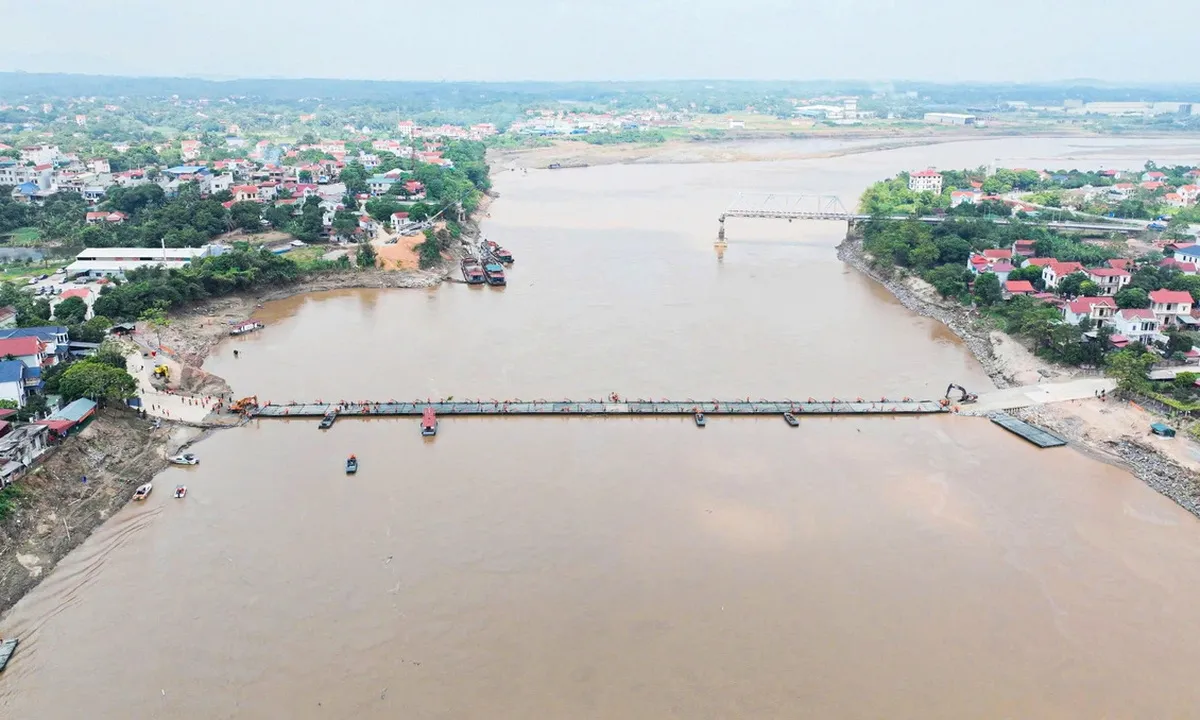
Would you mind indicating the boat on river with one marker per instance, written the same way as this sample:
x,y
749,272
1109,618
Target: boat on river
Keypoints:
x,y
701,421
494,274
429,423
180,492
143,491
184,459
7,648
246,327
351,465
790,419
472,271
327,421
499,253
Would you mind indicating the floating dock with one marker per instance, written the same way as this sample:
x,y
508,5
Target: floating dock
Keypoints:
x,y
598,407
1032,433
7,648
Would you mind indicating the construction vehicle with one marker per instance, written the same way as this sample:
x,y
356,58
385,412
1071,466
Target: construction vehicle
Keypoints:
x,y
162,371
244,405
964,396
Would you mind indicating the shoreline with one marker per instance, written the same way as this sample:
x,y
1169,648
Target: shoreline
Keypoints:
x,y
1105,432
57,511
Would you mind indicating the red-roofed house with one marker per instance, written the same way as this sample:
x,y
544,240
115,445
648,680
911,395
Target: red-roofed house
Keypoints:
x,y
1119,264
1038,262
1097,309
925,181
998,254
1190,193
1055,271
245,193
958,197
1170,305
1001,269
1154,176
1187,268
1175,200
1136,324
1018,287
1152,186
1109,279
28,350
1024,248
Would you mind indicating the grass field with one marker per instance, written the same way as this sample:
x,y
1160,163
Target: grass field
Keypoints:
x,y
24,236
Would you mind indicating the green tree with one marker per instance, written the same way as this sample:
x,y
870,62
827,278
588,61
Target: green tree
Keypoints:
x,y
1129,367
949,280
109,353
96,380
987,289
1178,342
246,215
345,223
1072,285
1132,297
1089,288
305,176
1191,283
366,255
71,311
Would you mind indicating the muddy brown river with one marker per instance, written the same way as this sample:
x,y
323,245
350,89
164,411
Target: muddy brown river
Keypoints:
x,y
629,568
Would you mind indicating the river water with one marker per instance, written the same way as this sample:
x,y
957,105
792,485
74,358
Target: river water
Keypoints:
x,y
578,568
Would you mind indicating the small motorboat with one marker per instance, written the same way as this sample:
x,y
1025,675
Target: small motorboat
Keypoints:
x,y
701,421
327,421
7,648
790,419
180,491
184,459
351,465
143,491
429,423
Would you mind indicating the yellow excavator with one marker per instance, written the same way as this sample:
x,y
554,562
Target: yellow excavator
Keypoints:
x,y
246,404
162,371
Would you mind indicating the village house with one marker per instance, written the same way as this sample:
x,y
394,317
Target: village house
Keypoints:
x,y
1109,280
19,449
971,197
115,217
12,381
218,183
1175,200
29,350
189,149
245,193
1187,253
1024,248
1038,262
1170,306
380,184
1154,176
1135,325
1187,268
1055,271
1018,287
1152,186
1097,309
1189,193
267,191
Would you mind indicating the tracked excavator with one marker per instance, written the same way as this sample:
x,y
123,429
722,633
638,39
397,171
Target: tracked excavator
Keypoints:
x,y
964,397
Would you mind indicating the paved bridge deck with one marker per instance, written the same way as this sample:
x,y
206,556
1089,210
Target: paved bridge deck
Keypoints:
x,y
624,407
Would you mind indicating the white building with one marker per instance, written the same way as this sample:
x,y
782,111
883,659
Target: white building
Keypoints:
x,y
1136,325
949,118
12,381
1097,309
1170,305
925,181
1110,280
107,262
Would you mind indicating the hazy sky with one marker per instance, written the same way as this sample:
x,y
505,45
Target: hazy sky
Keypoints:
x,y
946,40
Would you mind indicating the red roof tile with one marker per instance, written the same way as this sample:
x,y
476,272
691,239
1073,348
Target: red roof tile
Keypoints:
x,y
20,346
1001,254
1107,272
1018,286
1171,296
1131,313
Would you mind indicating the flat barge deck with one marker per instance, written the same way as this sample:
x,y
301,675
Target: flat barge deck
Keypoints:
x,y
597,407
1032,433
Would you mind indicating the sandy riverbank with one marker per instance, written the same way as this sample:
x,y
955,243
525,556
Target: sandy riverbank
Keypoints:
x,y
1109,430
56,511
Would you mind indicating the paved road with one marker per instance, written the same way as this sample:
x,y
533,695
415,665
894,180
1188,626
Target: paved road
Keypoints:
x,y
159,404
1040,394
